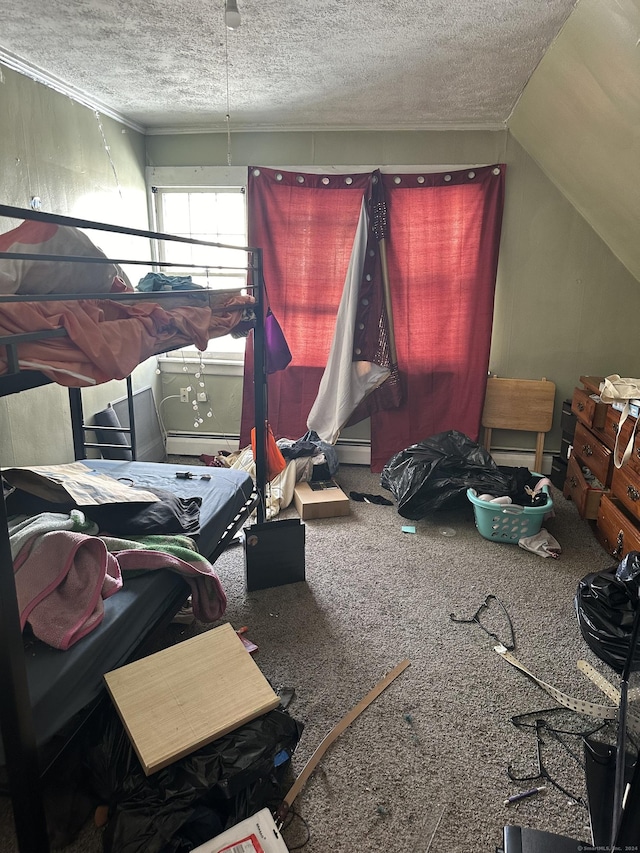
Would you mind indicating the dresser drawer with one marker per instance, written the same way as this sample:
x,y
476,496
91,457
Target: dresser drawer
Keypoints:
x,y
588,411
616,532
576,489
590,451
625,486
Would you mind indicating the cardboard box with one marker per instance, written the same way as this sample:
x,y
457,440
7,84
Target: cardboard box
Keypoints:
x,y
320,500
187,695
274,554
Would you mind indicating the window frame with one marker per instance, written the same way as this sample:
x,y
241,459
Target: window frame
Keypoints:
x,y
188,179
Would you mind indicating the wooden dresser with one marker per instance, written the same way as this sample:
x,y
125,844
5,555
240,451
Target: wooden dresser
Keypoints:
x,y
607,495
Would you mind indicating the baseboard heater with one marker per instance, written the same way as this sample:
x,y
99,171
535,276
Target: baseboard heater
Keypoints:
x,y
350,452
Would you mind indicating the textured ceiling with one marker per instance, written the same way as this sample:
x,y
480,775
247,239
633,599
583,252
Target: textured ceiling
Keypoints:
x,y
293,64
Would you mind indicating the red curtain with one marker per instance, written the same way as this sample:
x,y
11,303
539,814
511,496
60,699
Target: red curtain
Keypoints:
x,y
442,251
306,230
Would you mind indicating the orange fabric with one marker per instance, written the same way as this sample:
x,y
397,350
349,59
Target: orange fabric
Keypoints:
x,y
276,463
107,339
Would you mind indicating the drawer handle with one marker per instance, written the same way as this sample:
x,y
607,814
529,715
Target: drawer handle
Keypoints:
x,y
638,452
634,494
587,450
619,545
580,407
615,428
574,482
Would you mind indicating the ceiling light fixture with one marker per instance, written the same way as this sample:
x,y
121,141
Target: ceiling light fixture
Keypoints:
x,y
231,15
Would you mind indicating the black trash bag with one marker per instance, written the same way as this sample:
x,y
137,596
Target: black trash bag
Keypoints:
x,y
606,604
628,572
195,798
430,474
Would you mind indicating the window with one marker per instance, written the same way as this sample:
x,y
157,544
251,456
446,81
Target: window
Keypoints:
x,y
216,214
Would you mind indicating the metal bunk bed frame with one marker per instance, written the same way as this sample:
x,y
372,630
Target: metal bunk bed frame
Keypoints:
x,y
23,764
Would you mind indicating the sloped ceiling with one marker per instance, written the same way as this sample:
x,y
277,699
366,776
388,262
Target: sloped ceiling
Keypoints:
x,y
292,64
579,118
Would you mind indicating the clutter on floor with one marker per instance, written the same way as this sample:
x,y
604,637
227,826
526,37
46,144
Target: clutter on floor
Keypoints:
x,y
257,833
195,798
187,695
435,472
320,499
370,499
516,519
541,543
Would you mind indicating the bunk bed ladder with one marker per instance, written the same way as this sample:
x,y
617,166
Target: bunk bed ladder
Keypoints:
x,y
79,429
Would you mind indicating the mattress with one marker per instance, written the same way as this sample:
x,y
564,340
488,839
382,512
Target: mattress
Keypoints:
x,y
62,683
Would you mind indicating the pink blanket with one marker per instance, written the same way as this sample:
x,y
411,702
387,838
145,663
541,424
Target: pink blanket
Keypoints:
x,y
62,578
106,339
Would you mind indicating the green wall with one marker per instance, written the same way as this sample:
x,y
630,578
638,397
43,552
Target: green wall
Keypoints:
x,y
54,148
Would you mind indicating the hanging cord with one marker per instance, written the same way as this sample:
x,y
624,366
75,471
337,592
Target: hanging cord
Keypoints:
x,y
475,620
107,148
228,115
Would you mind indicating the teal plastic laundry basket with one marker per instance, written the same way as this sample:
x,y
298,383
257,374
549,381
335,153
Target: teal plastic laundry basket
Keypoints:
x,y
510,522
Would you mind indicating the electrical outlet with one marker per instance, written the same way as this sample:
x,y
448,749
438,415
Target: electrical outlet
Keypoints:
x,y
184,395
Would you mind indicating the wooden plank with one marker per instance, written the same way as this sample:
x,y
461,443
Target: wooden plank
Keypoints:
x,y
185,696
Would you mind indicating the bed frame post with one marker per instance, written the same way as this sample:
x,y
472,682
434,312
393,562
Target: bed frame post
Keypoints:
x,y
77,423
259,385
16,718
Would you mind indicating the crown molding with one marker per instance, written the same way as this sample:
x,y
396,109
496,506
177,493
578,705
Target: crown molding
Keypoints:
x,y
15,63
263,128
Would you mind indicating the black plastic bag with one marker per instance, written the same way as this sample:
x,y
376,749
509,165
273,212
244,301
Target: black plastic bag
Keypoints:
x,y
196,797
606,604
430,474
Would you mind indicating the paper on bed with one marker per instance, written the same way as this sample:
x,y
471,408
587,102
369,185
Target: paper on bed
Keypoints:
x,y
74,481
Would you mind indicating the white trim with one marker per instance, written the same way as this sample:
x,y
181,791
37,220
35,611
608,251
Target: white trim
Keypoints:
x,y
39,75
188,444
276,128
165,177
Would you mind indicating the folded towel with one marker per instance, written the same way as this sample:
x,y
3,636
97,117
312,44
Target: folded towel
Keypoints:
x,y
61,580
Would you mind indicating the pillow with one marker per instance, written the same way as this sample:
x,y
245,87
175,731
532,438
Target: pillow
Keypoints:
x,y
33,276
108,417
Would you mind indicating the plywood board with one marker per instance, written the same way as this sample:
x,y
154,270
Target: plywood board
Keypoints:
x,y
183,697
